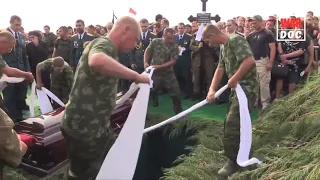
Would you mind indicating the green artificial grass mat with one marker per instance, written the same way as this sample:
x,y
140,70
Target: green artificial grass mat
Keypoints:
x,y
210,111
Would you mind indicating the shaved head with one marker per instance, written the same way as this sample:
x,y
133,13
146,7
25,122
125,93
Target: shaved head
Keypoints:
x,y
7,41
58,61
127,21
109,26
213,35
6,36
125,33
168,31
209,30
58,64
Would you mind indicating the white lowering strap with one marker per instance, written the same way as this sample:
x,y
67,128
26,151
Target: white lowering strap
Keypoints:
x,y
43,100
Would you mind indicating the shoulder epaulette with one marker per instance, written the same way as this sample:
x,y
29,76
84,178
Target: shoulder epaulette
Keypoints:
x,y
89,34
240,34
153,33
74,35
189,34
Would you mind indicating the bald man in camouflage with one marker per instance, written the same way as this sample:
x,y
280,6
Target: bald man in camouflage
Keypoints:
x,y
86,122
236,60
11,147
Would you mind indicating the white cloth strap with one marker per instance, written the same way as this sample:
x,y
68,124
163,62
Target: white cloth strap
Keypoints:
x,y
5,80
184,113
245,125
199,32
245,131
121,161
43,100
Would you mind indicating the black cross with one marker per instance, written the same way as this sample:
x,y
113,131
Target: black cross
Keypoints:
x,y
204,5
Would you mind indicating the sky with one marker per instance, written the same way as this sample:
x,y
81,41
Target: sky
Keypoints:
x,y
37,13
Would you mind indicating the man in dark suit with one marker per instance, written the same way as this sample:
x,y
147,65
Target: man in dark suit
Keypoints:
x,y
125,59
182,68
14,96
138,53
78,40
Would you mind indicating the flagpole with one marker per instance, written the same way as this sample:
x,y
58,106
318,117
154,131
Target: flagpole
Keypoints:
x,y
112,16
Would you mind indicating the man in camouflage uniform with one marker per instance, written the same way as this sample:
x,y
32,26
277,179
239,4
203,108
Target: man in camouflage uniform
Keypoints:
x,y
86,122
204,63
236,60
11,148
61,76
164,54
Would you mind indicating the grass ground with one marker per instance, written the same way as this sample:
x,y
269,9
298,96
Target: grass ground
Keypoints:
x,y
286,137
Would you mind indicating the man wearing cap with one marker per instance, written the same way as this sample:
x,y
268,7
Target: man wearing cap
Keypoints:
x,y
61,76
263,46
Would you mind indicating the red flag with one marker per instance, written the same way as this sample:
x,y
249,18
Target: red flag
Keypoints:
x,y
132,11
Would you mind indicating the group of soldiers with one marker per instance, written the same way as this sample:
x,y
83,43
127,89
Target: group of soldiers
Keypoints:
x,y
86,125
194,67
84,71
98,70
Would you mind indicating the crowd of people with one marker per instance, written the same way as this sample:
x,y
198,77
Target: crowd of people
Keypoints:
x,y
80,66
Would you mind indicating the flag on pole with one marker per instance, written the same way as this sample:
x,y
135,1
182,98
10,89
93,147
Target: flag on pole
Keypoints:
x,y
131,11
113,17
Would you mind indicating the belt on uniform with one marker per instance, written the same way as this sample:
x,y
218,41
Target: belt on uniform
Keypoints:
x,y
261,58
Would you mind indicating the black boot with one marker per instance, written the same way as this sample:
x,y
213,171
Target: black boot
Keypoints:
x,y
228,169
177,108
155,100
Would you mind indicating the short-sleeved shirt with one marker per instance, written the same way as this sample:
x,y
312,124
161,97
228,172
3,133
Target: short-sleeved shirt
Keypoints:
x,y
57,78
162,53
232,54
291,46
2,64
92,97
259,42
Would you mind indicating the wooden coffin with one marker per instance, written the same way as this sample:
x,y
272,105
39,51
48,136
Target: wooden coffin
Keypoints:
x,y
46,152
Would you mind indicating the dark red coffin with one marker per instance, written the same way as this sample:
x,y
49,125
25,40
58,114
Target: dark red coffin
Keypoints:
x,y
46,149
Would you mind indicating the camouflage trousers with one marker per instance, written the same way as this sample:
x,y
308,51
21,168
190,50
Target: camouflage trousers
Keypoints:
x,y
62,92
231,140
86,157
168,81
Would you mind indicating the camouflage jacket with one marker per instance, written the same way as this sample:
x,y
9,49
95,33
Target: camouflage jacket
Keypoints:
x,y
2,64
92,97
232,55
58,79
162,53
10,153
